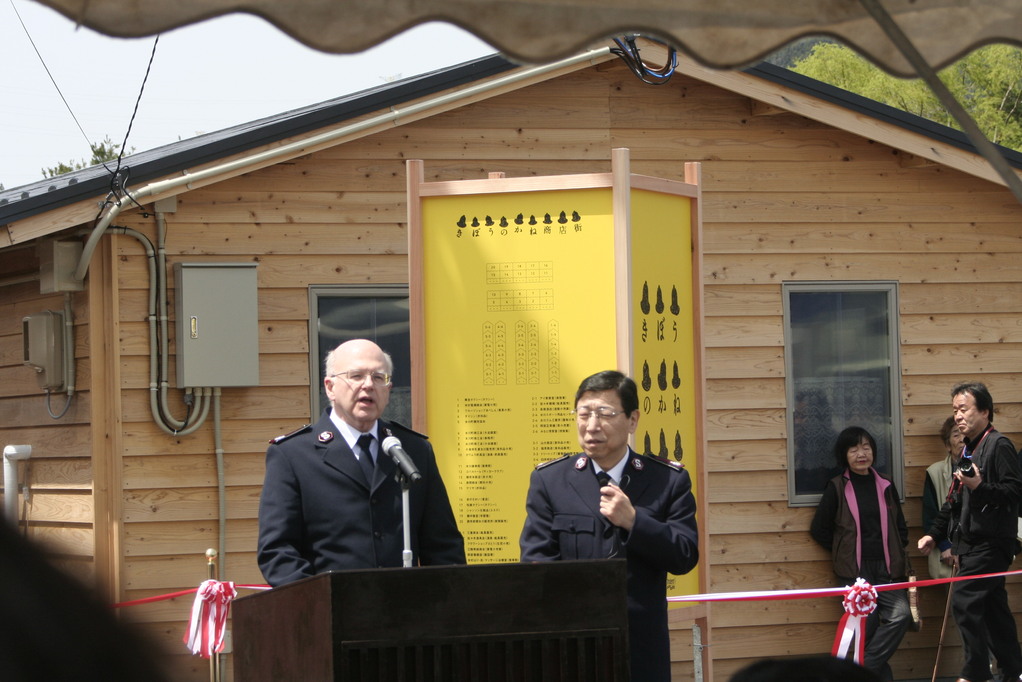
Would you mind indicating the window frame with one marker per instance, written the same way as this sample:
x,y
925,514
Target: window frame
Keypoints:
x,y
317,354
897,460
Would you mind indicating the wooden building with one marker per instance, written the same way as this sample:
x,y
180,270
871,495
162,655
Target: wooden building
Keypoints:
x,y
801,183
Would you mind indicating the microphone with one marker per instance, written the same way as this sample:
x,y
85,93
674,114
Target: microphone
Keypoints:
x,y
392,446
610,532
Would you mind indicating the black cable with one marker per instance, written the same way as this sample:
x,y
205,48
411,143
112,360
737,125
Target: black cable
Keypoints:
x,y
628,51
119,180
52,80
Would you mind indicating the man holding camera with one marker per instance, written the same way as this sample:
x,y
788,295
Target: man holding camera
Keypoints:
x,y
980,519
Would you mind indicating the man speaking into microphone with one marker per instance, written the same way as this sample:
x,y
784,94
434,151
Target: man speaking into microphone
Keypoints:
x,y
610,502
331,498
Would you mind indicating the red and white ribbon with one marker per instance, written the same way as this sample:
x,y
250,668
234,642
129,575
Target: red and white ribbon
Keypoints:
x,y
860,601
208,625
778,595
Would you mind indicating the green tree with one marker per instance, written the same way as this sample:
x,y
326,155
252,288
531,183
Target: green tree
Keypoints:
x,y
795,51
104,151
987,82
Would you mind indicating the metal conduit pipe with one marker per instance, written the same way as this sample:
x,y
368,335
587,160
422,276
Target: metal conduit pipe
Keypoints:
x,y
161,308
160,411
221,486
150,252
69,345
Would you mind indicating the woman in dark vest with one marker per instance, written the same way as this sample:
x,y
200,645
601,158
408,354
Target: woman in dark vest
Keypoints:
x,y
860,522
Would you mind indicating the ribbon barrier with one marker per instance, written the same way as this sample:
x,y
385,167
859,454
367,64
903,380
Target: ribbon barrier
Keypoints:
x,y
860,601
768,595
207,627
175,595
208,623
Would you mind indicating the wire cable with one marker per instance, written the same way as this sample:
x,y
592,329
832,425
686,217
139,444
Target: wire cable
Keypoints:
x,y
119,178
47,69
628,51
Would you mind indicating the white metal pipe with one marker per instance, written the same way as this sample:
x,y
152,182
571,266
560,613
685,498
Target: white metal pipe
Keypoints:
x,y
12,455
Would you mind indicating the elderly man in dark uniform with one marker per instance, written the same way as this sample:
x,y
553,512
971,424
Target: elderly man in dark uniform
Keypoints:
x,y
609,501
331,499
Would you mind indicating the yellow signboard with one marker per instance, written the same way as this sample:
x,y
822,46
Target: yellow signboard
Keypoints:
x,y
663,336
524,292
520,309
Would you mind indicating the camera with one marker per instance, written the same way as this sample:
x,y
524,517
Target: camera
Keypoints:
x,y
967,468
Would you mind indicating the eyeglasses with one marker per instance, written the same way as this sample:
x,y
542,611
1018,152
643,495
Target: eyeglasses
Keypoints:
x,y
358,376
602,413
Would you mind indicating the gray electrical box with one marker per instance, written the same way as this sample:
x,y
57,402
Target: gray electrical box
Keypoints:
x,y
217,323
57,264
43,334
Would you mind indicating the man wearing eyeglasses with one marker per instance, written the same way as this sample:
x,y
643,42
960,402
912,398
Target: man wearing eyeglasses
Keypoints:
x,y
608,501
331,499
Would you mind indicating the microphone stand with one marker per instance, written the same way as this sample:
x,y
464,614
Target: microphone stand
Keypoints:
x,y
406,474
406,484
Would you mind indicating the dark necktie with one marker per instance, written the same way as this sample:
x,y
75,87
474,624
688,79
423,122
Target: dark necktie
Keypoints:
x,y
365,457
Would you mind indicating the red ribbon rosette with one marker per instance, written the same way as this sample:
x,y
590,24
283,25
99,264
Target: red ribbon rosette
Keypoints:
x,y
208,626
859,601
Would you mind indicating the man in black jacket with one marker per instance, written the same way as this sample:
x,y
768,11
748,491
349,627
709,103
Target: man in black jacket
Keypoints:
x,y
327,505
980,518
608,501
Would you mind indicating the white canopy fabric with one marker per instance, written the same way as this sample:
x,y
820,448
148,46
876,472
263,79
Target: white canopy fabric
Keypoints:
x,y
718,33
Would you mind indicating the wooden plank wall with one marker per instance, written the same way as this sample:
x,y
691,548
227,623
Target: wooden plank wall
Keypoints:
x,y
59,503
785,199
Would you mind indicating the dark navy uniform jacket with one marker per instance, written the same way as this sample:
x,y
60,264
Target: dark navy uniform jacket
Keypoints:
x,y
564,522
318,513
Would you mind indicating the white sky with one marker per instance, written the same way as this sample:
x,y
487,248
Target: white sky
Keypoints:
x,y
204,77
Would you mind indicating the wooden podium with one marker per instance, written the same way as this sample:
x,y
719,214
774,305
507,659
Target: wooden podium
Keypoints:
x,y
557,622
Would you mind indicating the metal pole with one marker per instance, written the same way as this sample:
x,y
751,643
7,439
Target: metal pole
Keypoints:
x,y
406,554
929,75
211,574
943,625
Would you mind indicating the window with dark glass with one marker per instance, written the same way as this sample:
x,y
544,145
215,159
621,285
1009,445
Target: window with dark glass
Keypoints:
x,y
339,313
842,369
